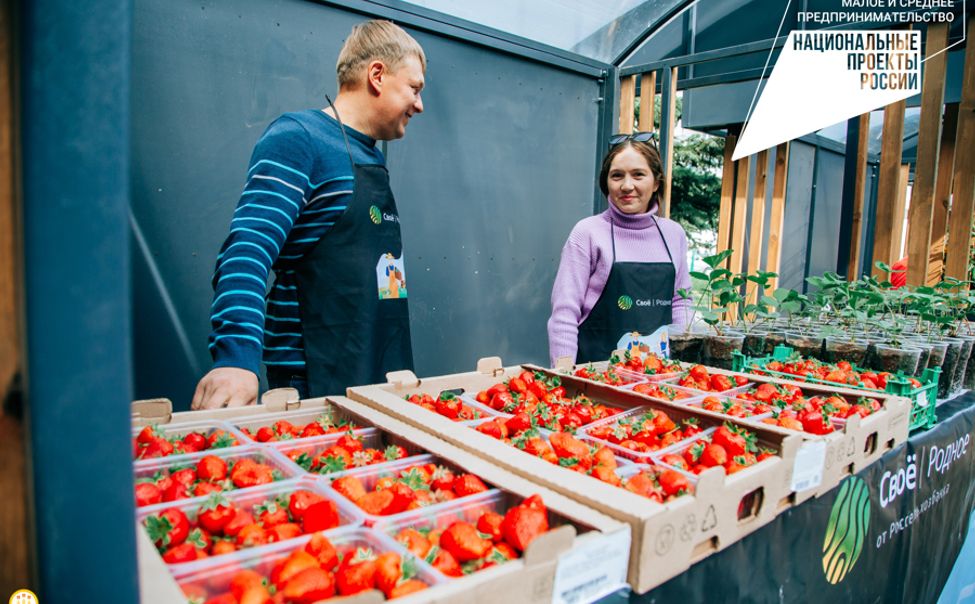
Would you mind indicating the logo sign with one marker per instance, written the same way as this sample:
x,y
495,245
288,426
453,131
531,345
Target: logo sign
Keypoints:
x,y
375,215
23,596
625,303
846,530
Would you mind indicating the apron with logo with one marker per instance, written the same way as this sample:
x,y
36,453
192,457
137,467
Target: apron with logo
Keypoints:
x,y
352,291
637,298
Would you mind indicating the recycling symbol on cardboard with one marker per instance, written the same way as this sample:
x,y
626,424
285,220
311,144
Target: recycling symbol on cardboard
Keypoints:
x,y
710,519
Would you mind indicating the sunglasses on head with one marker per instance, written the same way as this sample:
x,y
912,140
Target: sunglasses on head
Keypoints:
x,y
638,137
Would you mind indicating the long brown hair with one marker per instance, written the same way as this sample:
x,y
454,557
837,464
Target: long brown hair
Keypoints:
x,y
649,152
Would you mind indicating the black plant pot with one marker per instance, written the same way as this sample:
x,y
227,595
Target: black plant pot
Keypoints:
x,y
718,351
686,346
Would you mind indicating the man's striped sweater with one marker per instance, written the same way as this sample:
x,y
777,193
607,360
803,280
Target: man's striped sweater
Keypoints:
x,y
298,184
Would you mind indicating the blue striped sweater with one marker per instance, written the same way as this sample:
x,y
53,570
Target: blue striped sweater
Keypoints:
x,y
298,184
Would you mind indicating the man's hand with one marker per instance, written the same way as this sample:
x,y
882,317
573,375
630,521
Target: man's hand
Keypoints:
x,y
225,387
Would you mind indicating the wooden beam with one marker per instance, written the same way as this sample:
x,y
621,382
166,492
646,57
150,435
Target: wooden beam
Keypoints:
x,y
776,221
10,356
888,179
942,194
727,194
738,221
898,234
963,188
667,143
928,143
627,102
860,179
648,94
756,234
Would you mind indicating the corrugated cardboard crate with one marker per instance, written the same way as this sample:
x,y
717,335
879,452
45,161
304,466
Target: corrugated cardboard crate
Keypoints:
x,y
562,564
667,538
861,442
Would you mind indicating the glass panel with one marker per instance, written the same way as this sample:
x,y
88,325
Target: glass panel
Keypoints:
x,y
595,29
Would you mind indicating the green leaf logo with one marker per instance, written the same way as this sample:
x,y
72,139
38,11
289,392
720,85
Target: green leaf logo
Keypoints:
x,y
846,530
375,215
625,303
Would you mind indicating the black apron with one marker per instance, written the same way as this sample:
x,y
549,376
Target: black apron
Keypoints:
x,y
638,297
352,291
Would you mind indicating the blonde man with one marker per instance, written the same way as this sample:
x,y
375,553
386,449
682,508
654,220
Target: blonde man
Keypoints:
x,y
317,209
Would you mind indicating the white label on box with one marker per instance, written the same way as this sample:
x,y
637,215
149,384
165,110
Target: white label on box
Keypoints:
x,y
922,398
807,472
591,571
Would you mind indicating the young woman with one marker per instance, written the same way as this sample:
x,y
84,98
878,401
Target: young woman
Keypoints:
x,y
621,269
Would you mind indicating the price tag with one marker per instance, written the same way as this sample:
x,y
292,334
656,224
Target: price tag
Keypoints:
x,y
807,472
594,570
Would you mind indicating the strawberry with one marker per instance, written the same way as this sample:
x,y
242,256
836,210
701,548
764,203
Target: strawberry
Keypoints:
x,y
442,478
240,519
407,587
445,562
245,580
673,482
297,561
248,473
356,573
713,455
377,503
322,549
320,516
219,439
310,585
522,525
301,500
146,435
468,484
186,476
464,543
252,535
215,514
733,439
169,528
211,468
184,552
146,493
490,524
193,442
388,571
272,513
283,531
415,542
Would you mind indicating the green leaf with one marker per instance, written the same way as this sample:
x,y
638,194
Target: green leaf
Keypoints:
x,y
718,258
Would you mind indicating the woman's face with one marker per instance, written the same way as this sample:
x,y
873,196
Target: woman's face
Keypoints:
x,y
630,182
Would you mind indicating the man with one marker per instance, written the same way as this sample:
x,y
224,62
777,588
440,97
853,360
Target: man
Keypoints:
x,y
318,210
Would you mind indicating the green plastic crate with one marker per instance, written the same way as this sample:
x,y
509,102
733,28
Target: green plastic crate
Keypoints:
x,y
922,398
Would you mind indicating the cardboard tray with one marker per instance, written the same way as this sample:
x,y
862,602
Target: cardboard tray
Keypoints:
x,y
549,571
667,538
858,444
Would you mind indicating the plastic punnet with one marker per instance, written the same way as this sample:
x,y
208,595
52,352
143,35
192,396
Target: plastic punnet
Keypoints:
x,y
248,499
181,429
254,422
369,476
283,469
371,438
211,577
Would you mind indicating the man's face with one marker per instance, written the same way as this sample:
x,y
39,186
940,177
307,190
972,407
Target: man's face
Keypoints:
x,y
399,99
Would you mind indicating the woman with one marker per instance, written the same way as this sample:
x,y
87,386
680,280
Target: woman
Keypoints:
x,y
621,269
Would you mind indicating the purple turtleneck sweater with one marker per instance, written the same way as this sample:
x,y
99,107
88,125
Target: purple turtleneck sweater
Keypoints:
x,y
588,257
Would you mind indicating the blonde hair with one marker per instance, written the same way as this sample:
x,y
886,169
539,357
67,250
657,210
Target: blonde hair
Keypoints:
x,y
375,41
